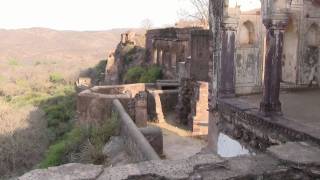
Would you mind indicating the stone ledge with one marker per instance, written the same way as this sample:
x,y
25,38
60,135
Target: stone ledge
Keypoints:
x,y
65,172
298,153
201,166
240,120
167,169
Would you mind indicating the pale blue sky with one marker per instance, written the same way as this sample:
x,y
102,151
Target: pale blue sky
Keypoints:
x,y
87,14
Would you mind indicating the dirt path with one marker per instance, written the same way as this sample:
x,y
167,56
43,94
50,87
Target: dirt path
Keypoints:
x,y
178,142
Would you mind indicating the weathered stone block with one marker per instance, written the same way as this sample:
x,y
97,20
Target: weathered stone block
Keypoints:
x,y
65,172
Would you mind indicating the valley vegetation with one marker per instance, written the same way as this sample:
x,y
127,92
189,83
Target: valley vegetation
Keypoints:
x,y
38,98
37,118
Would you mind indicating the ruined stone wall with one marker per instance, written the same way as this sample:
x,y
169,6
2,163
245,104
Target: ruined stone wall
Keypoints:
x,y
192,108
200,55
193,105
136,144
161,103
167,47
199,116
169,99
93,108
94,105
184,101
131,89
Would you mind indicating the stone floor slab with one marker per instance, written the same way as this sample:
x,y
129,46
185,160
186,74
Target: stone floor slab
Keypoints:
x,y
299,153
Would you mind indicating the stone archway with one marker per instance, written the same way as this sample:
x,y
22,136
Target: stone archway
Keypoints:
x,y
247,33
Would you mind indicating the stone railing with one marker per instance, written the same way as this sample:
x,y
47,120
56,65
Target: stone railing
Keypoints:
x,y
135,142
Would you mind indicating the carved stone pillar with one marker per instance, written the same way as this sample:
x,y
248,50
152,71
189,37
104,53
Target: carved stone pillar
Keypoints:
x,y
173,59
227,71
159,57
154,56
275,26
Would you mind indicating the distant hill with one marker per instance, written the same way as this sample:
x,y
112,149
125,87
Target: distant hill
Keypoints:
x,y
41,44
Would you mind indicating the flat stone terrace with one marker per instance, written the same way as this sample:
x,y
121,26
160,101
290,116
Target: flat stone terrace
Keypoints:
x,y
301,109
178,142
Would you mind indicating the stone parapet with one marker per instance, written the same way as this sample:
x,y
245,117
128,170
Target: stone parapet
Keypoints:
x,y
136,144
246,124
94,105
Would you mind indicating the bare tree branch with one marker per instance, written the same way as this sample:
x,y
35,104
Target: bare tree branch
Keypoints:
x,y
146,24
199,13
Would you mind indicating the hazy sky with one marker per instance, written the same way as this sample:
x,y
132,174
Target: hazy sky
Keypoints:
x,y
87,14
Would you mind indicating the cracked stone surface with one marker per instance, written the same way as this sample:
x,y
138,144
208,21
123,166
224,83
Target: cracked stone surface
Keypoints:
x,y
66,172
170,169
200,166
300,153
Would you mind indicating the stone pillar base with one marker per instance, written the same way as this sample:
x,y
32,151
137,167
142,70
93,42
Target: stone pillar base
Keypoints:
x,y
270,109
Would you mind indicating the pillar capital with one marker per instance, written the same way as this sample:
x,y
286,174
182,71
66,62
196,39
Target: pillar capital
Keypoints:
x,y
276,21
230,23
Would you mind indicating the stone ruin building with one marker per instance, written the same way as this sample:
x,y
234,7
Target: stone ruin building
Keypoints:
x,y
253,77
183,55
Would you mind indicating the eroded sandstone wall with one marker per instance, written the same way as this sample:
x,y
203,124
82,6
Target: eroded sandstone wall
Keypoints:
x,y
94,105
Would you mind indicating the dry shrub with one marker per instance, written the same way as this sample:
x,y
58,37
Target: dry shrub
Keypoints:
x,y
22,137
23,129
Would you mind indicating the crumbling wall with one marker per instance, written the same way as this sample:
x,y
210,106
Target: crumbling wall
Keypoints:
x,y
94,105
167,47
193,106
161,103
94,108
131,89
183,108
136,144
199,116
200,55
